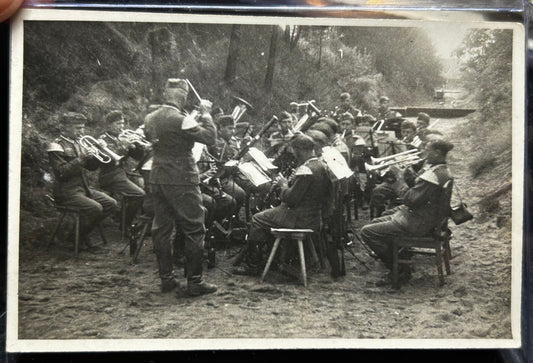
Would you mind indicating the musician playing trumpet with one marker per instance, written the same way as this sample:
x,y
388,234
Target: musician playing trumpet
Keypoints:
x,y
69,162
424,205
112,176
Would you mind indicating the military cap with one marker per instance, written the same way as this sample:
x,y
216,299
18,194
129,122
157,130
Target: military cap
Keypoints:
x,y
441,145
113,116
383,99
225,120
302,142
324,128
177,83
424,117
408,124
333,125
73,118
345,96
318,136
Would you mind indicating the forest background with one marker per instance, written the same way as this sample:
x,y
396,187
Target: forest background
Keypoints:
x,y
95,67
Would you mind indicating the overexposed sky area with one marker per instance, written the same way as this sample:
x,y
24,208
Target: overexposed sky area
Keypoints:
x,y
446,37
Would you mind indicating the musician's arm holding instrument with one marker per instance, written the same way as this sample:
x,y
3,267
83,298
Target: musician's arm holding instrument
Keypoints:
x,y
415,196
65,169
294,194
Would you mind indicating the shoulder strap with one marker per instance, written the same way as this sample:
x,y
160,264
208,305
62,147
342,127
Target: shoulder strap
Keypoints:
x,y
303,170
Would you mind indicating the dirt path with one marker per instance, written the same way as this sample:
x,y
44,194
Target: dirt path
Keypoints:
x,y
100,295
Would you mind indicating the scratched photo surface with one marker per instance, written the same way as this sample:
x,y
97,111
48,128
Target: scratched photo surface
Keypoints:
x,y
106,294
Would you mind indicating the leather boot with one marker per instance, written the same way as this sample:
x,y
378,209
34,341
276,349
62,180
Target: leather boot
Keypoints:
x,y
251,266
168,284
196,286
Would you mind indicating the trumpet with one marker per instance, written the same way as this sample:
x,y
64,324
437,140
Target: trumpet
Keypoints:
x,y
90,145
131,137
240,109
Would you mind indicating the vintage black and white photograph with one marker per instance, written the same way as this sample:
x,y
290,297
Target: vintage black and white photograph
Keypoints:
x,y
206,181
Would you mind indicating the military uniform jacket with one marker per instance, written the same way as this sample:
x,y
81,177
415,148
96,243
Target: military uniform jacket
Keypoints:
x,y
308,193
111,170
173,135
225,150
427,202
68,168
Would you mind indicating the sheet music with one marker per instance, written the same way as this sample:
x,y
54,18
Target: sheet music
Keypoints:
x,y
336,163
261,159
253,173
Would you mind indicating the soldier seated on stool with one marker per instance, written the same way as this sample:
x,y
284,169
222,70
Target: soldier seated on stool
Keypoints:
x,y
112,177
424,205
303,199
69,163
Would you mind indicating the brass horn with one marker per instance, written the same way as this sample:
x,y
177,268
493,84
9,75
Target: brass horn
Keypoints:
x,y
394,156
383,167
129,137
240,109
102,153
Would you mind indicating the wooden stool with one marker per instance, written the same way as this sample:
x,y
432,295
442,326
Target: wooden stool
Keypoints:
x,y
440,244
294,234
64,210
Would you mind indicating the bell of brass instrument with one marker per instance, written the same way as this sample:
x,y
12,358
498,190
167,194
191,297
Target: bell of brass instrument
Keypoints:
x,y
240,109
102,153
130,137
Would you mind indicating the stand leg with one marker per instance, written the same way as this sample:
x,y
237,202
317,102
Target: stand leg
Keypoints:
x,y
56,230
270,258
302,261
77,235
395,284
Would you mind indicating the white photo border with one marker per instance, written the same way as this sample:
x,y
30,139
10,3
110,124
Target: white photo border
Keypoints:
x,y
14,344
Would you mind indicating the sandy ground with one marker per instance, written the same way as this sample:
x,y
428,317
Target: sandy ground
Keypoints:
x,y
101,295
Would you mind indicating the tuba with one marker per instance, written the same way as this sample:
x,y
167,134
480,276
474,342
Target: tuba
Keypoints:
x,y
240,109
90,145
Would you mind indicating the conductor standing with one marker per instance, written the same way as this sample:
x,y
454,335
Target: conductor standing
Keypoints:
x,y
175,183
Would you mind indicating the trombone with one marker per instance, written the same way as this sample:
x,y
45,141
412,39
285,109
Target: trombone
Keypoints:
x,y
130,137
383,168
91,146
404,159
404,154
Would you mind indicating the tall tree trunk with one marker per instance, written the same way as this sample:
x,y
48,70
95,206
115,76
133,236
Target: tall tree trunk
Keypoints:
x,y
269,76
161,58
233,54
295,36
320,48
